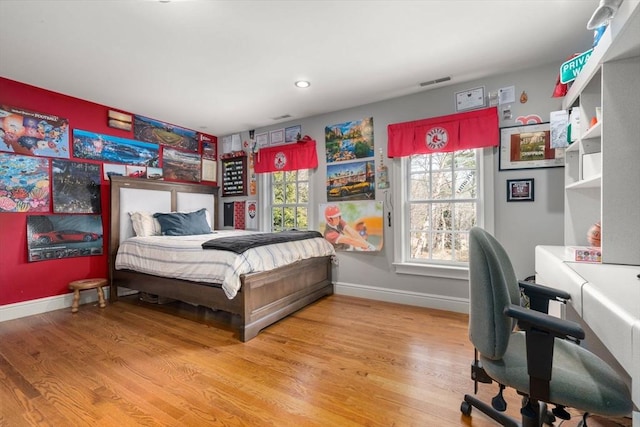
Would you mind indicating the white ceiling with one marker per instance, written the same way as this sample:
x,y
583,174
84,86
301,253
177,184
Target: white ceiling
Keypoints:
x,y
226,66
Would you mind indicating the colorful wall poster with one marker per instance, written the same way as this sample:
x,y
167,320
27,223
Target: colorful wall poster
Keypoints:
x,y
113,149
30,132
76,187
349,140
157,132
352,226
180,165
63,236
24,183
351,181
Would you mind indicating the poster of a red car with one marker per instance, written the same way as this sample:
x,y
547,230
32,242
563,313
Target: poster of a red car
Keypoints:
x,y
63,236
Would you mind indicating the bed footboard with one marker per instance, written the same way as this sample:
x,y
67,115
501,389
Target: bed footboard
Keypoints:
x,y
272,295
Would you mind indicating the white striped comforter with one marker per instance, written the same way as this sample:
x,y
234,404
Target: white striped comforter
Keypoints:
x,y
182,257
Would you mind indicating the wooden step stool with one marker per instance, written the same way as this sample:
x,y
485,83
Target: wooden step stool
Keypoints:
x,y
80,285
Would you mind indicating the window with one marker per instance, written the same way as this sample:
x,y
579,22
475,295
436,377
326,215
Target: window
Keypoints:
x,y
442,204
289,204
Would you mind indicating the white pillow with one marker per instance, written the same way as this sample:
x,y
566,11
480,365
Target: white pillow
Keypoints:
x,y
144,224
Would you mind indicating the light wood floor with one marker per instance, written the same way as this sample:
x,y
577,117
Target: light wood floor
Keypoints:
x,y
342,361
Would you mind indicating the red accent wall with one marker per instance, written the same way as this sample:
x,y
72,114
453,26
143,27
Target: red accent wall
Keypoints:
x,y
21,280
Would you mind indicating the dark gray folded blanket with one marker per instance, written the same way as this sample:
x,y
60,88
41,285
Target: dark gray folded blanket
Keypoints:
x,y
239,244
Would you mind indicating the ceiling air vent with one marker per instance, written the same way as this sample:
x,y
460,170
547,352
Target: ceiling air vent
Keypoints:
x,y
286,116
432,82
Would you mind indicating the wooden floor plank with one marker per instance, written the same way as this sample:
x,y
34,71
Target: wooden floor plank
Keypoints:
x,y
341,361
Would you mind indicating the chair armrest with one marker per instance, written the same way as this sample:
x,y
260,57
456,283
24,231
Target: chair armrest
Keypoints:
x,y
541,331
539,295
558,327
546,291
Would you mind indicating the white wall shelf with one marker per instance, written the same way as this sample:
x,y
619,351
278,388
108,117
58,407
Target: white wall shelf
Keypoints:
x,y
601,168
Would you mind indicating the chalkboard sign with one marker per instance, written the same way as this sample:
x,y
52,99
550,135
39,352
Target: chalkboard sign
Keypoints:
x,y
234,176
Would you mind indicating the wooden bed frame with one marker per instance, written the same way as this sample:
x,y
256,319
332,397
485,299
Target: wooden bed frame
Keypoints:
x,y
264,297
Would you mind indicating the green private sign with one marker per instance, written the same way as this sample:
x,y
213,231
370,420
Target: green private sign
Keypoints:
x,y
569,70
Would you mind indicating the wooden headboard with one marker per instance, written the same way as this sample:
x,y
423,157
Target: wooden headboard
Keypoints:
x,y
136,194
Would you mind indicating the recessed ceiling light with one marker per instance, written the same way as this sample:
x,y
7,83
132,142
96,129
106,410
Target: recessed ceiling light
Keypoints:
x,y
302,83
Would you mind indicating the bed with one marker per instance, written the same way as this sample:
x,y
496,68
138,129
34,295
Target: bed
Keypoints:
x,y
263,297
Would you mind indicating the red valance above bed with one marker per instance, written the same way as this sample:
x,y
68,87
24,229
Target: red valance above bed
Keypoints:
x,y
462,131
288,157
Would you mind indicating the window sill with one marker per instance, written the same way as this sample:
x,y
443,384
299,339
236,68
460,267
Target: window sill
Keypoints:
x,y
445,271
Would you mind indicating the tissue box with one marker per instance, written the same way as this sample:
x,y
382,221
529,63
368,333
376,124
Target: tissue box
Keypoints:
x,y
583,254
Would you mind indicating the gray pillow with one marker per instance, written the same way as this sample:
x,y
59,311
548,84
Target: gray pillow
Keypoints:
x,y
183,224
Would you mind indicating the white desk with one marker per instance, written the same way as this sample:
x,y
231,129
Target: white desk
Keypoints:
x,y
607,298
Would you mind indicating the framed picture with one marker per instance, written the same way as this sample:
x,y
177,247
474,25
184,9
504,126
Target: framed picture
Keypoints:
x,y
292,134
276,136
470,99
520,190
528,147
262,139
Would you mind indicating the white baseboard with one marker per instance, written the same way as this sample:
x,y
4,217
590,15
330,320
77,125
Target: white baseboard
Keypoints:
x,y
439,302
43,305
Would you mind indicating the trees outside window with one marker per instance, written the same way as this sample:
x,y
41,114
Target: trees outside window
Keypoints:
x,y
289,200
442,206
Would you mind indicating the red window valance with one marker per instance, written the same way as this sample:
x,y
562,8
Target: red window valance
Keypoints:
x,y
462,131
289,157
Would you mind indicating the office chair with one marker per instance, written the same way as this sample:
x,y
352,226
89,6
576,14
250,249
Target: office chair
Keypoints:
x,y
526,349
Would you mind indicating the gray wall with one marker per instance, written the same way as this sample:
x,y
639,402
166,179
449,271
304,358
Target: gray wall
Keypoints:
x,y
519,226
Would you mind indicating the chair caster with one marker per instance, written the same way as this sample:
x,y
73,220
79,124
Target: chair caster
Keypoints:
x,y
561,413
465,408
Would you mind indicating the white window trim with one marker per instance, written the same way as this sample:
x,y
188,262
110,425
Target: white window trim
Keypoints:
x,y
485,219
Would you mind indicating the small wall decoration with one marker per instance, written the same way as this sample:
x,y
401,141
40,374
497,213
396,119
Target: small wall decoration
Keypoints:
x,y
520,190
251,217
228,212
118,120
30,132
63,236
262,140
209,156
352,226
470,99
383,173
76,187
112,149
292,134
276,136
24,183
349,140
179,165
136,171
111,169
157,132
238,215
528,147
351,181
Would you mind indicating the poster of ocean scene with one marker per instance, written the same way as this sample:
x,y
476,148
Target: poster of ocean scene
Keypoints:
x,y
112,149
24,183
